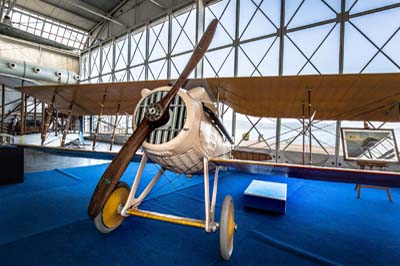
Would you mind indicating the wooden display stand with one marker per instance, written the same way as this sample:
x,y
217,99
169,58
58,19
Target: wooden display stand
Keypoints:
x,y
371,165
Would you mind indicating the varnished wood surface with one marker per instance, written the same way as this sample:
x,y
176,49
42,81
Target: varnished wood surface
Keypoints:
x,y
357,97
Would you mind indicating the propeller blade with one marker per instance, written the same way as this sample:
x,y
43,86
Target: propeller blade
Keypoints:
x,y
156,116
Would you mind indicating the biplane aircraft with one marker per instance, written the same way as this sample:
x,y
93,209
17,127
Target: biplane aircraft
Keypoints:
x,y
179,129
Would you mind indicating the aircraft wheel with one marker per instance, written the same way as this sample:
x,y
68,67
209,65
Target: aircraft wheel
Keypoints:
x,y
227,227
109,219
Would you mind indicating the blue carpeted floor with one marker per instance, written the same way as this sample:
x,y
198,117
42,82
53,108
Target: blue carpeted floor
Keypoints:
x,y
44,222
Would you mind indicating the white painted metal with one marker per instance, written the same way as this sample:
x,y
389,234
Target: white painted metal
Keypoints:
x,y
198,138
134,202
206,195
23,69
135,185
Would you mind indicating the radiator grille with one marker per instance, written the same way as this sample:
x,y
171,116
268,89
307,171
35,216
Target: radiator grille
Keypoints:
x,y
177,112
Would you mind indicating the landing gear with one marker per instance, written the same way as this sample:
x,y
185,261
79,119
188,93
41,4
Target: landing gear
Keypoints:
x,y
110,218
227,228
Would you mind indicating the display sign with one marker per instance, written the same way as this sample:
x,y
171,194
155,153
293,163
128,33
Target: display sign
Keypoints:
x,y
375,145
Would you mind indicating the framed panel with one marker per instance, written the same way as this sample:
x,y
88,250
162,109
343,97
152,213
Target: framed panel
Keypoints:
x,y
369,145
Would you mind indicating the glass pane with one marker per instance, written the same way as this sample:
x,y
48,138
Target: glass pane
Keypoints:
x,y
310,11
121,76
318,44
158,42
177,65
253,14
259,58
137,73
225,12
158,70
108,58
219,63
138,47
95,62
121,53
183,31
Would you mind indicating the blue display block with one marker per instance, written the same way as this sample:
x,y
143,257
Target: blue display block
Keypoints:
x,y
268,196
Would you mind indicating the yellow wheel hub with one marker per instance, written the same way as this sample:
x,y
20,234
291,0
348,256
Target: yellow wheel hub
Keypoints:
x,y
111,217
231,226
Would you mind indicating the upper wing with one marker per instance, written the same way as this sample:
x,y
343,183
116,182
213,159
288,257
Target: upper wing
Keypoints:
x,y
359,97
377,178
86,99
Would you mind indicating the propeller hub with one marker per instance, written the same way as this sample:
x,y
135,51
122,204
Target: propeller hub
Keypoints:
x,y
154,112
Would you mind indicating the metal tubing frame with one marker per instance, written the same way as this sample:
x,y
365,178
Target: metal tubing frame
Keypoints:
x,y
132,201
132,204
210,224
23,113
3,107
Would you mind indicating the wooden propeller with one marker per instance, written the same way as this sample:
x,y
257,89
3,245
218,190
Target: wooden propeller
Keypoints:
x,y
156,115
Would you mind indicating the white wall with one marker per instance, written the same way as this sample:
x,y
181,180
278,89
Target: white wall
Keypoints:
x,y
36,54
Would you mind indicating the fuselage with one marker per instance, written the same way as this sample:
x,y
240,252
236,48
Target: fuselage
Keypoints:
x,y
189,135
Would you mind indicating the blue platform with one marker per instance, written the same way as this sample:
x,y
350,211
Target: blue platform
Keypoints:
x,y
267,196
44,222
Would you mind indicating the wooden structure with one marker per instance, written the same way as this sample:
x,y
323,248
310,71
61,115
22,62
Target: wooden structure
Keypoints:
x,y
242,153
356,97
371,165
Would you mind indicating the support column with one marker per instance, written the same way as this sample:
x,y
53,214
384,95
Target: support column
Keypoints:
x,y
98,122
55,124
80,133
43,117
23,113
200,16
48,118
169,46
236,44
114,127
66,126
303,133
34,115
310,126
343,19
281,33
3,107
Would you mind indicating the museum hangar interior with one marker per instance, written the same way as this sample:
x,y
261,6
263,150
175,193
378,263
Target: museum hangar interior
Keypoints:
x,y
199,132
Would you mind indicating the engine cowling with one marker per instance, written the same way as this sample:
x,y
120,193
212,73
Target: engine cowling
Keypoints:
x,y
189,135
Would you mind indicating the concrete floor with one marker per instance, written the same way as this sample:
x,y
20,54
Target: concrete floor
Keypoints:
x,y
35,161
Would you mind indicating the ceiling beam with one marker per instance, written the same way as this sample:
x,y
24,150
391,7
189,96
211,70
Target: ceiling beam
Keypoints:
x,y
23,8
157,4
94,12
69,10
110,14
